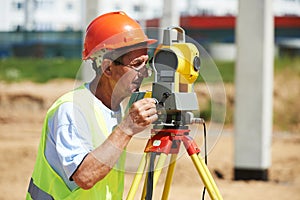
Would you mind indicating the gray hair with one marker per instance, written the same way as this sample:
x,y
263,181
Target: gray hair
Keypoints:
x,y
97,59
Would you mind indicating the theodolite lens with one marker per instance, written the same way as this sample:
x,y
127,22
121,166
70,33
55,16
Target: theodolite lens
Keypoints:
x,y
166,58
197,63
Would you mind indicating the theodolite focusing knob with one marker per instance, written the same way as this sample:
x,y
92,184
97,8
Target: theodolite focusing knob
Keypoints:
x,y
197,63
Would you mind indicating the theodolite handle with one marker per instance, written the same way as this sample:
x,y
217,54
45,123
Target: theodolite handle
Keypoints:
x,y
167,35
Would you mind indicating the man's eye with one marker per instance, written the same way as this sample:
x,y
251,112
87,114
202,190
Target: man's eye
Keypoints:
x,y
118,62
137,64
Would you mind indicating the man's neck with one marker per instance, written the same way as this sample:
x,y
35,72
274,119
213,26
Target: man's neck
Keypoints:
x,y
104,92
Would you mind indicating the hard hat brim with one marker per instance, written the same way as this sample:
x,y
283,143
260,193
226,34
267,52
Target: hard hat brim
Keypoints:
x,y
117,46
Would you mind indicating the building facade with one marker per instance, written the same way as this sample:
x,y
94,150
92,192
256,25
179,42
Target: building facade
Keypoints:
x,y
40,15
62,15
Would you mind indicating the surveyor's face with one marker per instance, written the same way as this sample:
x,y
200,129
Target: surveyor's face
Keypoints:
x,y
130,75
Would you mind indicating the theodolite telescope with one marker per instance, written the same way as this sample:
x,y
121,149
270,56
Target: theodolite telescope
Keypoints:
x,y
176,66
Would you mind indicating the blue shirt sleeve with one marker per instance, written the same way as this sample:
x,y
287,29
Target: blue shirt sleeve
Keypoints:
x,y
68,141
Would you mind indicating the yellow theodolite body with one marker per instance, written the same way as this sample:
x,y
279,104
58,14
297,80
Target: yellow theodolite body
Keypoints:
x,y
186,54
176,65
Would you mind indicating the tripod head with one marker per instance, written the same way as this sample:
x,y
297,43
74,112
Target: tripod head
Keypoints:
x,y
176,67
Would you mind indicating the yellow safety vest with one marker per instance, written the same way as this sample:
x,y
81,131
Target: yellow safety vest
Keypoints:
x,y
46,184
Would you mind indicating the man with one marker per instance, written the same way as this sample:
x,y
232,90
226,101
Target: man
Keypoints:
x,y
81,154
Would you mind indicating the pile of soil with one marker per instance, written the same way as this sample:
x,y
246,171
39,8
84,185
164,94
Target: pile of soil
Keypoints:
x,y
24,105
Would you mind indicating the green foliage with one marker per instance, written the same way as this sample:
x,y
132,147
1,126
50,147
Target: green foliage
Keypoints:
x,y
223,71
291,64
37,70
44,69
226,69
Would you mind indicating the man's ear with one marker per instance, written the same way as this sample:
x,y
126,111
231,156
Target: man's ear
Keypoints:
x,y
106,67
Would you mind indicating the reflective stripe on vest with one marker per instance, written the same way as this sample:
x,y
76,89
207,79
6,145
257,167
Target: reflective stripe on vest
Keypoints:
x,y
45,181
36,193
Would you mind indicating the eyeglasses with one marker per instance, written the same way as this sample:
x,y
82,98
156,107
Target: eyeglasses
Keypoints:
x,y
139,65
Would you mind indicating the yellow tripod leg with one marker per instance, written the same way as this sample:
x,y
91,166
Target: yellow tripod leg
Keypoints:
x,y
157,171
145,180
137,179
206,177
210,177
169,177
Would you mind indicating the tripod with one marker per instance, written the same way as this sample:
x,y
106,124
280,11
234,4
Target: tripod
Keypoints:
x,y
166,140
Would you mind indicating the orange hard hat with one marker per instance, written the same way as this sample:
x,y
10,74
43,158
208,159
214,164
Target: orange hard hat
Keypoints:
x,y
112,31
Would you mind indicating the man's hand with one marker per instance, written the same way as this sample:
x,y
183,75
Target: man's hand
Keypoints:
x,y
141,114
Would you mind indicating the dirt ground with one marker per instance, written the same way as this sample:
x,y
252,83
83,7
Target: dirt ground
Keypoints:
x,y
23,107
